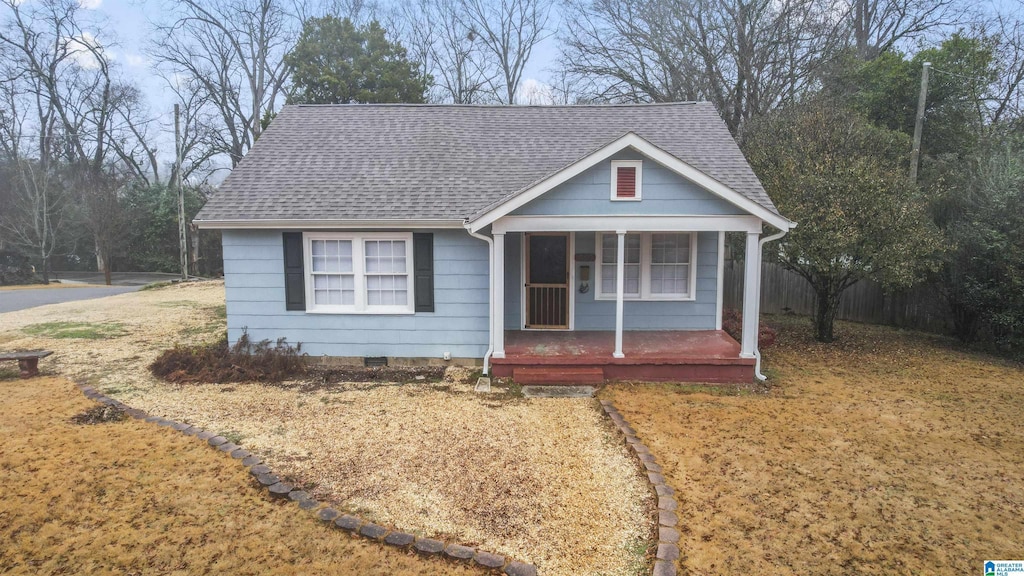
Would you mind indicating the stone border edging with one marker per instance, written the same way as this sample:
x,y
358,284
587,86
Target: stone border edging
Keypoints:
x,y
668,535
354,524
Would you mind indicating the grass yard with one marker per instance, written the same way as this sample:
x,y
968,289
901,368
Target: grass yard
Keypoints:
x,y
889,452
132,498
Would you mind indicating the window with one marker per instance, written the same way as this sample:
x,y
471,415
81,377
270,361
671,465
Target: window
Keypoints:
x,y
609,270
359,273
670,264
658,266
626,180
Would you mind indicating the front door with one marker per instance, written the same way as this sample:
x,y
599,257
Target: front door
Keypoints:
x,y
547,281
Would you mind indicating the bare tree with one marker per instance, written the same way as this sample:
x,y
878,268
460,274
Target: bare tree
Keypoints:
x,y
1006,102
878,25
200,144
133,141
42,85
745,56
70,122
508,30
231,51
436,36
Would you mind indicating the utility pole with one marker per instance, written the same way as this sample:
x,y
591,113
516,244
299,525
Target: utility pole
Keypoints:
x,y
915,154
182,244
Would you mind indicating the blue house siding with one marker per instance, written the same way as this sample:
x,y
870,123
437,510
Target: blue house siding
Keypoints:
x,y
254,285
513,281
663,192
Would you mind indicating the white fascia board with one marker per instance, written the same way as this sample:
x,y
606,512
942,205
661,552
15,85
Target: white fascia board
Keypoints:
x,y
326,224
639,223
649,150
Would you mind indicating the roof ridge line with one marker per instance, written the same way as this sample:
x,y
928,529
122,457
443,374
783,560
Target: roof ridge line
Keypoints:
x,y
502,106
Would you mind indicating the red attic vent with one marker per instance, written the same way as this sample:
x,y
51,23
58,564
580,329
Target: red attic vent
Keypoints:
x,y
625,186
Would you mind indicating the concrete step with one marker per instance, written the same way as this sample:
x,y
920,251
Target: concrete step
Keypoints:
x,y
558,375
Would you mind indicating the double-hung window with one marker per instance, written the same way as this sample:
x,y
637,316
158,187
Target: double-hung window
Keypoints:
x,y
359,273
609,267
658,266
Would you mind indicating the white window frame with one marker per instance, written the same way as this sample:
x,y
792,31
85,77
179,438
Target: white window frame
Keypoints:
x,y
645,270
358,240
616,164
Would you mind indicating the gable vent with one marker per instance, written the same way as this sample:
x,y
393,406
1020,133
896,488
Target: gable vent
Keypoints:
x,y
625,186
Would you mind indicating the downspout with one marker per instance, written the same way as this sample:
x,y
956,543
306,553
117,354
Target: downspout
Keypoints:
x,y
757,310
490,295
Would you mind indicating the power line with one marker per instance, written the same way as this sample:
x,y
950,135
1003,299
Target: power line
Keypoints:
x,y
972,78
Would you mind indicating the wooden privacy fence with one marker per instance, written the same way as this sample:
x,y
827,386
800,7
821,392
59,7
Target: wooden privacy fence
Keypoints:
x,y
785,291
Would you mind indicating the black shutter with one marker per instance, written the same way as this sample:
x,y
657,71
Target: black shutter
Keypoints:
x,y
423,271
294,277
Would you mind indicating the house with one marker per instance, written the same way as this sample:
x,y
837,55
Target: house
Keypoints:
x,y
553,244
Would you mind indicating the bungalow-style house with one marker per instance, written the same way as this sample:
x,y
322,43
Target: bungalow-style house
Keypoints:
x,y
552,244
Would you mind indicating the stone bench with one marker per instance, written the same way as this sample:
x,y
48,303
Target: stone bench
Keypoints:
x,y
28,360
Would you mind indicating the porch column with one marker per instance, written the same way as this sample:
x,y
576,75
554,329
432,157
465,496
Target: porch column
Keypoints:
x,y
751,295
620,284
499,295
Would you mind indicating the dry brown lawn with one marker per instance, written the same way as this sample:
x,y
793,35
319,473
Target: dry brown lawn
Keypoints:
x,y
131,498
545,481
887,452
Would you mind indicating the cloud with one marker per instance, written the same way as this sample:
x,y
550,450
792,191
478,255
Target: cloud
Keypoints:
x,y
89,4
82,50
135,60
535,93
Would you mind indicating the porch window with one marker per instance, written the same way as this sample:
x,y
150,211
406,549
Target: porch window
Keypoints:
x,y
609,255
670,264
659,266
359,273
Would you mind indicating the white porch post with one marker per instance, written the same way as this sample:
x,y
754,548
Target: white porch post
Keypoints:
x,y
620,284
751,295
499,295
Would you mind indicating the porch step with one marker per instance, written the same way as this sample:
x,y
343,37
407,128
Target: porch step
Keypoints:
x,y
558,375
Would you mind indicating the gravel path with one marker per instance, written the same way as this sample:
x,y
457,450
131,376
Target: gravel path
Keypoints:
x,y
542,480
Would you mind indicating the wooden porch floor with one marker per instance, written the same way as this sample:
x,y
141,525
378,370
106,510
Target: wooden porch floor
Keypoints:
x,y
577,356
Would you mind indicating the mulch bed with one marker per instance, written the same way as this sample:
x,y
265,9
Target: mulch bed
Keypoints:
x,y
330,378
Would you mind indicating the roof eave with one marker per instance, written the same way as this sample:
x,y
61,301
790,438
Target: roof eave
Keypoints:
x,y
322,224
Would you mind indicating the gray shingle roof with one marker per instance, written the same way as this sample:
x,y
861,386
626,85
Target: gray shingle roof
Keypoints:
x,y
356,162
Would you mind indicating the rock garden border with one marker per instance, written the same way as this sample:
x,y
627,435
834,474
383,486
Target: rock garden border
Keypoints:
x,y
668,535
354,524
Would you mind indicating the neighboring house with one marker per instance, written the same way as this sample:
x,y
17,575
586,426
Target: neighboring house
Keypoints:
x,y
554,243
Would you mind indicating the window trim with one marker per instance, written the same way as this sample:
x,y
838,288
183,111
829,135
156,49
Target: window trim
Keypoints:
x,y
616,164
645,270
358,240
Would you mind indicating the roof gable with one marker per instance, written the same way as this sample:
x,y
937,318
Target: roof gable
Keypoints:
x,y
629,141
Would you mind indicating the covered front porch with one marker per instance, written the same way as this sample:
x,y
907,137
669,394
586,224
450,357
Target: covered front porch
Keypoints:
x,y
612,269
586,357
568,310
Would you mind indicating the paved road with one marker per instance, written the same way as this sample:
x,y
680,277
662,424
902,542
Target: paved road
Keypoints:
x,y
117,278
11,300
